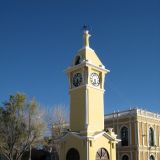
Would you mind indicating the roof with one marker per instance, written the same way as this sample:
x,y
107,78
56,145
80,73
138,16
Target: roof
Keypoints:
x,y
132,112
95,136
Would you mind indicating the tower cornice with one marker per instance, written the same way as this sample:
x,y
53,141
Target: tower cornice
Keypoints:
x,y
86,86
86,63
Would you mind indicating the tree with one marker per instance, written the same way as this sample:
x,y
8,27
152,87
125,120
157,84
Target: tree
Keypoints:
x,y
20,126
60,119
57,119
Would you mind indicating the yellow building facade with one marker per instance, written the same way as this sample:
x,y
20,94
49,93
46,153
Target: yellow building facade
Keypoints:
x,y
139,131
86,139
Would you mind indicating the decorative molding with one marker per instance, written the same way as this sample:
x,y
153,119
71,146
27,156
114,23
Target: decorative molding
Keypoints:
x,y
87,86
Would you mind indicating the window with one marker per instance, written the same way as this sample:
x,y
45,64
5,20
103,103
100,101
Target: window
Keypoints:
x,y
72,154
77,60
125,157
151,137
102,154
124,136
151,157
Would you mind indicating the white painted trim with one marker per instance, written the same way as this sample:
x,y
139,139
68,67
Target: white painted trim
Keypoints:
x,y
105,134
73,68
97,67
142,133
130,133
98,88
85,47
107,119
87,149
110,150
155,135
75,134
137,113
138,133
85,63
86,110
86,85
89,131
135,133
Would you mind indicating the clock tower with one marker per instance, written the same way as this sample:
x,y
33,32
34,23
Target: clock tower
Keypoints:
x,y
86,138
86,80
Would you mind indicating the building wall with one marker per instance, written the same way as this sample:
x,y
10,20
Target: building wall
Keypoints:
x,y
145,121
138,123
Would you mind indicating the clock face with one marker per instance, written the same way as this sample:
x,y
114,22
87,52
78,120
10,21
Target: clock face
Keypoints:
x,y
95,79
77,79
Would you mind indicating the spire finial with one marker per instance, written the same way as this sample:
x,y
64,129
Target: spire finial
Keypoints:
x,y
86,36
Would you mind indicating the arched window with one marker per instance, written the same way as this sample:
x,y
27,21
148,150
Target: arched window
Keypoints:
x,y
102,153
125,157
124,136
151,157
151,137
77,60
72,154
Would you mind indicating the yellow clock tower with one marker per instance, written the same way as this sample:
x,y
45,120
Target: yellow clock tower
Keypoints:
x,y
86,138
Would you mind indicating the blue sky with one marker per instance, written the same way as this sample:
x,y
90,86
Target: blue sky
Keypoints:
x,y
38,40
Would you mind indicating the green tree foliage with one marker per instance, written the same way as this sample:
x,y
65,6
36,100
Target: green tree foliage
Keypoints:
x,y
20,126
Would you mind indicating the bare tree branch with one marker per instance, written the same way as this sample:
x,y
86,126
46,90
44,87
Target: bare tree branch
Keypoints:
x,y
20,126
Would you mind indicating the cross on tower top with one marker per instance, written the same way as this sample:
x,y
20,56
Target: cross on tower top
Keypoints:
x,y
86,36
